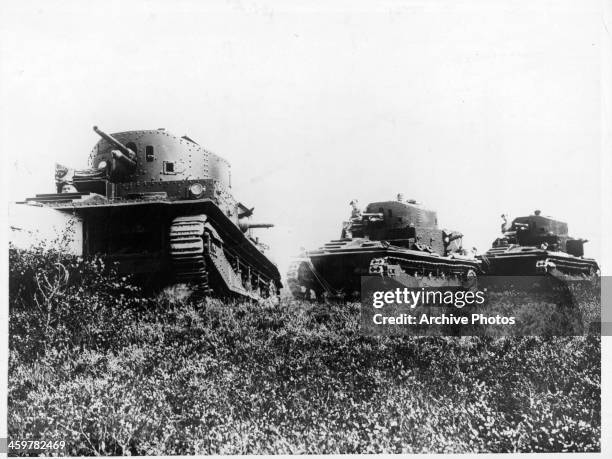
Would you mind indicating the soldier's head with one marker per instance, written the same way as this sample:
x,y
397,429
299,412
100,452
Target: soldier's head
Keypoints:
x,y
68,188
400,197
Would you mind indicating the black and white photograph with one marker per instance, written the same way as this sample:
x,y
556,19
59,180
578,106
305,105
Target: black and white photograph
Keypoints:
x,y
264,227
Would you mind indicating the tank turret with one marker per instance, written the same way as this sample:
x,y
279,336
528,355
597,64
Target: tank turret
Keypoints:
x,y
538,230
402,223
121,162
536,244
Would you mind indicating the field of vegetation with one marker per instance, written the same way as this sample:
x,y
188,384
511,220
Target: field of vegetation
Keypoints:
x,y
94,363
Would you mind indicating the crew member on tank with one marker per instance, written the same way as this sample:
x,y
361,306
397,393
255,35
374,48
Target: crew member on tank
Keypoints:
x,y
355,212
504,226
68,188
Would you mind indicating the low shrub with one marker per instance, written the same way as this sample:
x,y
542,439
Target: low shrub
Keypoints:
x,y
94,363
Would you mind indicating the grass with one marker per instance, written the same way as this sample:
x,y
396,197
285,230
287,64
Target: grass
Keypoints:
x,y
93,363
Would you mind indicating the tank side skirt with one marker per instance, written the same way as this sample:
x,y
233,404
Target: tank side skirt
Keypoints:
x,y
541,261
302,274
437,268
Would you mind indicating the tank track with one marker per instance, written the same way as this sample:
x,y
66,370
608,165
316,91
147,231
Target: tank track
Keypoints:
x,y
303,279
199,258
187,252
293,278
391,266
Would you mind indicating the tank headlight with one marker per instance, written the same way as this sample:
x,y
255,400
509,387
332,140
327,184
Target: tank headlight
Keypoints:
x,y
196,190
102,165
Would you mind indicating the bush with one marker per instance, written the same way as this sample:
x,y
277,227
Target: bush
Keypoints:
x,y
93,363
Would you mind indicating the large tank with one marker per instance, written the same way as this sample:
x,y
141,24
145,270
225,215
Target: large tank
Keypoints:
x,y
536,245
161,207
391,238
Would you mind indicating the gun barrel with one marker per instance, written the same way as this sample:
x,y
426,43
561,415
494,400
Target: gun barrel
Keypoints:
x,y
110,139
245,225
453,236
260,225
124,159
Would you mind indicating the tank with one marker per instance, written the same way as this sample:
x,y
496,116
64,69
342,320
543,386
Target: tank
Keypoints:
x,y
390,238
161,207
536,245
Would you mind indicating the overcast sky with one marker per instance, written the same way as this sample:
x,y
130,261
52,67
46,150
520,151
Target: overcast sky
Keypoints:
x,y
474,108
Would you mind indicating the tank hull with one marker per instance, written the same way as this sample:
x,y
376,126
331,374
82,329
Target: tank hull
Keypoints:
x,y
342,272
137,235
336,268
533,261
